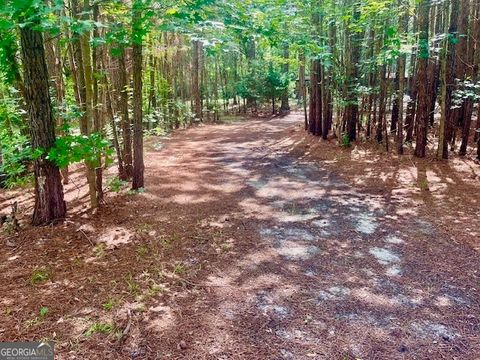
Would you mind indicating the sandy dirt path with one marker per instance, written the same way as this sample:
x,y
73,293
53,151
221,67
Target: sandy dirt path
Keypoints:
x,y
320,269
240,248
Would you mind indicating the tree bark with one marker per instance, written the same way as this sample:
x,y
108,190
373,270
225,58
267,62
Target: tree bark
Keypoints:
x,y
422,80
49,201
285,106
138,165
401,79
196,96
353,54
470,73
450,76
86,126
126,125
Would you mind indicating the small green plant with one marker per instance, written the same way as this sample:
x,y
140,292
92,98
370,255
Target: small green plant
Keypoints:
x,y
109,304
143,250
423,185
99,328
115,184
9,228
345,141
167,242
78,261
226,247
144,228
179,268
43,311
135,192
39,275
99,250
132,285
154,289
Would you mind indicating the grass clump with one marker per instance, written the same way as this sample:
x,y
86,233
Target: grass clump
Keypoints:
x,y
39,275
99,328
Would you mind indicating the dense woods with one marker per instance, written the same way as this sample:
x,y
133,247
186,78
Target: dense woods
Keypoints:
x,y
84,81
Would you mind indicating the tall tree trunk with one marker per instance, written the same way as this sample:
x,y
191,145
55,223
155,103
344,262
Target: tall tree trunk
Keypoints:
x,y
314,121
470,73
86,126
138,165
53,51
443,92
97,114
49,201
456,119
476,68
302,85
251,54
285,106
401,79
412,92
450,75
126,125
432,73
353,53
422,79
196,95
394,118
382,105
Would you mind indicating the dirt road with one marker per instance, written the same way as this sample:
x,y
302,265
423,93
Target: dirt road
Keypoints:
x,y
275,258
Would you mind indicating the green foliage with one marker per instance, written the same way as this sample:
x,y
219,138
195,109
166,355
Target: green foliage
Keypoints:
x,y
345,141
249,86
16,155
143,250
109,304
43,311
39,275
466,90
75,148
179,268
15,151
115,184
274,83
132,286
99,328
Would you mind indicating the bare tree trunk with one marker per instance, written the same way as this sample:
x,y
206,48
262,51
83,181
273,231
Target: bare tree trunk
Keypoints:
x,y
89,113
401,79
315,122
470,73
450,76
97,114
285,107
197,100
138,165
126,125
302,86
49,201
353,52
422,80
456,119
443,94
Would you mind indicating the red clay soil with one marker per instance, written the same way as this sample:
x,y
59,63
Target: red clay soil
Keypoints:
x,y
253,240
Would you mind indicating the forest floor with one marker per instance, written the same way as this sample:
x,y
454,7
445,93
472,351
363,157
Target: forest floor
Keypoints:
x,y
253,240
